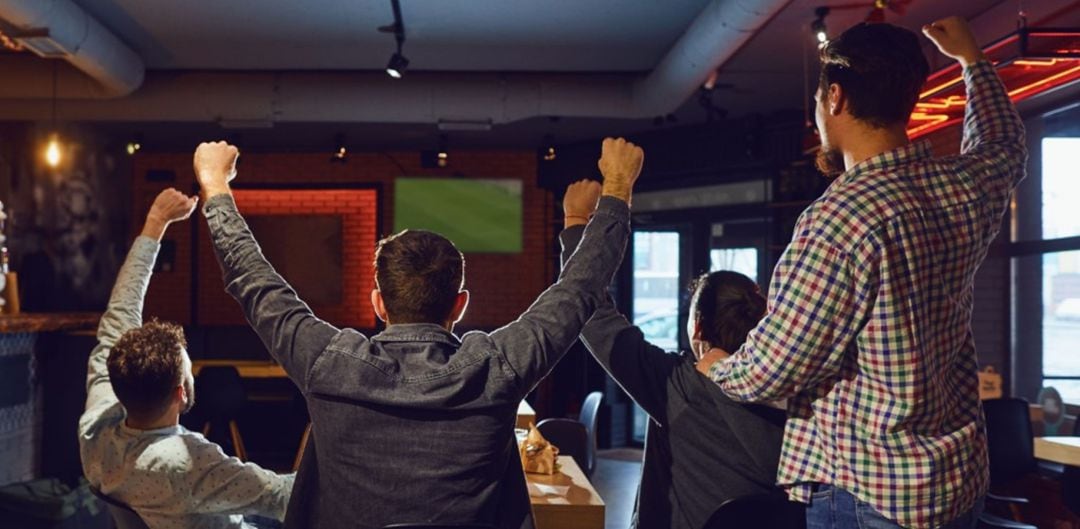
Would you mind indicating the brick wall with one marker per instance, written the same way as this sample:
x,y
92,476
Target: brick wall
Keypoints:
x,y
502,285
358,209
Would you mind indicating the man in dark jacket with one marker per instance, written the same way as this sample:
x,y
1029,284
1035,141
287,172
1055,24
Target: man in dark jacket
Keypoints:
x,y
415,425
701,448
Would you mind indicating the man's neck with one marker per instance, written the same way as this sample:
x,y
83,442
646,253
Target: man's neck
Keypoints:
x,y
165,421
872,142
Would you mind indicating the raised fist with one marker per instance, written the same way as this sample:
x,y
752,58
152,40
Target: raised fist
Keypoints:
x,y
580,199
620,163
171,206
215,166
953,37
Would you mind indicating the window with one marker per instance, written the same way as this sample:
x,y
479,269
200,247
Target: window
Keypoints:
x,y
655,298
741,260
1060,187
1046,260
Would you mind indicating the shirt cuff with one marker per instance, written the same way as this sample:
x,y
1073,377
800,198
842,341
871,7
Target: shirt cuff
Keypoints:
x,y
613,207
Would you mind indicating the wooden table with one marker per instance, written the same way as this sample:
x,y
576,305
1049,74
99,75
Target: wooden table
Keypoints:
x,y
525,415
1064,450
247,368
579,508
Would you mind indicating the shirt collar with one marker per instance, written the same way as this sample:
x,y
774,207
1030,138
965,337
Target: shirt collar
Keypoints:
x,y
417,332
909,153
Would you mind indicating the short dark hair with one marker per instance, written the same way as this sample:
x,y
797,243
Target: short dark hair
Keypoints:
x,y
881,68
145,365
420,274
728,305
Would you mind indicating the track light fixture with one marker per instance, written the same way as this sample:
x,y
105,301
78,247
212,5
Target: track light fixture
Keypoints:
x,y
547,148
818,27
398,62
341,153
443,154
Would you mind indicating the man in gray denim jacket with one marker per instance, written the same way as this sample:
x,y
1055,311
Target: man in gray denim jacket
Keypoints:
x,y
415,425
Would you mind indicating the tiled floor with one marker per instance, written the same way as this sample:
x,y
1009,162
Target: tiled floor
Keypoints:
x,y
616,479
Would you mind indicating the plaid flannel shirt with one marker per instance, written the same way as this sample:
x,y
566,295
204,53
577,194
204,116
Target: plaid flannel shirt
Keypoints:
x,y
868,328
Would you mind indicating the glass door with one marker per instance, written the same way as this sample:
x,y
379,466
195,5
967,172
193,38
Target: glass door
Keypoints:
x,y
655,298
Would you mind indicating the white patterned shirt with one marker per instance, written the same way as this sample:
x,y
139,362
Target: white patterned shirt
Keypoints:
x,y
172,477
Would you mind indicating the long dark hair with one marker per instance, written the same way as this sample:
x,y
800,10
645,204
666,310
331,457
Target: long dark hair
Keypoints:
x,y
727,305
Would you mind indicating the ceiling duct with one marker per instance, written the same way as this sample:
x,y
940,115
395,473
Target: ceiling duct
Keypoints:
x,y
59,29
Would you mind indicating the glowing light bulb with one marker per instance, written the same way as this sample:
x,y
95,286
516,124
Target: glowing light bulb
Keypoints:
x,y
52,152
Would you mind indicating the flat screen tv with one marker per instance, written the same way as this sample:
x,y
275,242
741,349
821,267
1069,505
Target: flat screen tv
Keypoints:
x,y
479,216
306,250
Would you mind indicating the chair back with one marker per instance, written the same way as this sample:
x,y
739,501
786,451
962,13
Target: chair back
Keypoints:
x,y
1010,440
569,436
219,393
772,510
1070,481
590,409
124,517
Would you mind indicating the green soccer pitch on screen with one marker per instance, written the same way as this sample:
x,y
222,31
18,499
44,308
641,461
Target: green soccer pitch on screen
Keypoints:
x,y
479,216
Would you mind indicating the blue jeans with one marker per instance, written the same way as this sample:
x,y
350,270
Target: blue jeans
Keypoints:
x,y
833,508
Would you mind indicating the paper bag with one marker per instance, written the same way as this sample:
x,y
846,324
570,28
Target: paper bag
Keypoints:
x,y
538,456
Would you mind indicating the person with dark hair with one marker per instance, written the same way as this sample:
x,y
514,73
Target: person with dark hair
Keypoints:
x,y
701,447
139,382
868,331
416,425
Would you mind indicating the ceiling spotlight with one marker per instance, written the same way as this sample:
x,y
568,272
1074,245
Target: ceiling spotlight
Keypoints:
x,y
547,148
443,155
398,63
818,26
341,153
134,145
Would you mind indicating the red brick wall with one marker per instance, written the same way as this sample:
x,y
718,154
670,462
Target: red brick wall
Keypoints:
x,y
502,285
358,209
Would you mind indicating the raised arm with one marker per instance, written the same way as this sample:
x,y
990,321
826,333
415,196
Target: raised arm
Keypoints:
x,y
814,303
539,338
220,484
124,311
993,150
639,367
287,327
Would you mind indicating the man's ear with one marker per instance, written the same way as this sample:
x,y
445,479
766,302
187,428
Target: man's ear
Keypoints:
x,y
697,331
460,304
180,396
379,306
837,100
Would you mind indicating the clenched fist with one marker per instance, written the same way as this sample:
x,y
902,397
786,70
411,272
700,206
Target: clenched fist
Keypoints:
x,y
580,200
953,37
169,206
620,163
215,166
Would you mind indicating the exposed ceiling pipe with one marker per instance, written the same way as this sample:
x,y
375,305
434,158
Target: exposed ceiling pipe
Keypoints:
x,y
61,29
718,32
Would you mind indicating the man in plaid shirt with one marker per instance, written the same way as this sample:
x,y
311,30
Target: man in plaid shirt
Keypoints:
x,y
868,329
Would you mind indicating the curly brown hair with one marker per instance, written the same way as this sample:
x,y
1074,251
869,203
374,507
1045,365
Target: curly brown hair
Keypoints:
x,y
146,365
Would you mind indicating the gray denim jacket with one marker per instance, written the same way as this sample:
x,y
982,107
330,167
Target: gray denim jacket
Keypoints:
x,y
414,424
